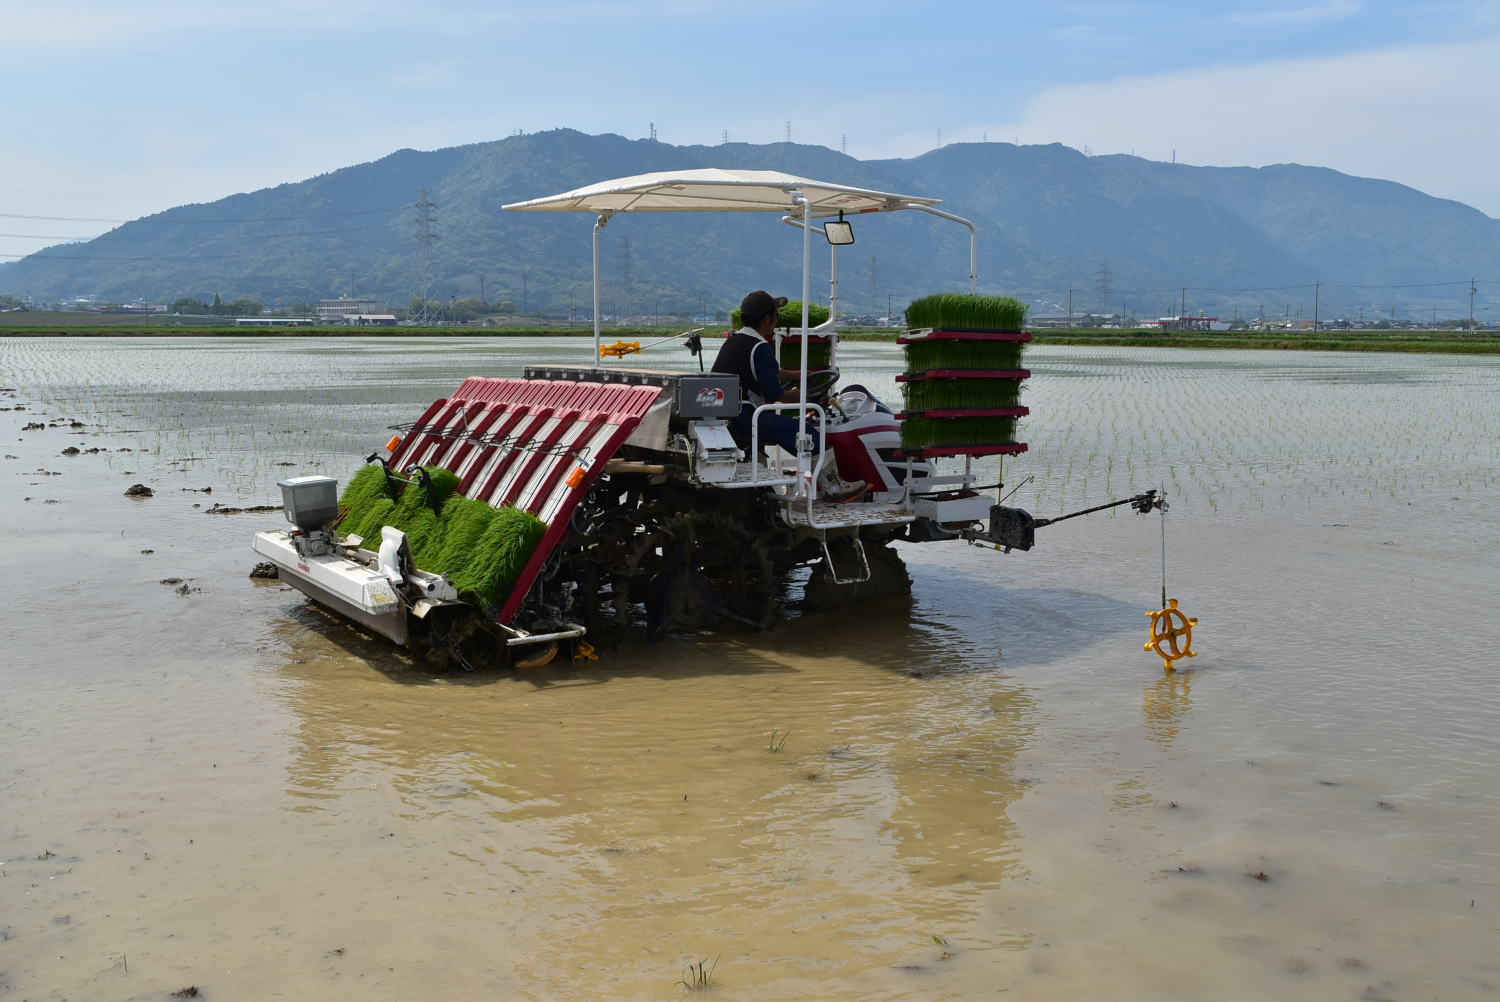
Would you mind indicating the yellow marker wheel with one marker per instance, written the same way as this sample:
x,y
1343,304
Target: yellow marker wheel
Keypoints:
x,y
1171,635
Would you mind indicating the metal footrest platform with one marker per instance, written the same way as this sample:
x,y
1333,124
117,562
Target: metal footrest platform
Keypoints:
x,y
836,515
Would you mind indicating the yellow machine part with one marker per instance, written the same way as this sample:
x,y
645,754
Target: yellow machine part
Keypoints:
x,y
1171,635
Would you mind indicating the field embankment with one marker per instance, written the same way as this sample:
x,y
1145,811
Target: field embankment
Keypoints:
x,y
1483,342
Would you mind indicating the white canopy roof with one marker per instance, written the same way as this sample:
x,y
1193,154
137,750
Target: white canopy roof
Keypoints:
x,y
716,190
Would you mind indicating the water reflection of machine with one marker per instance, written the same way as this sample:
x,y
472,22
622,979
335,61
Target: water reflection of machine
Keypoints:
x,y
653,513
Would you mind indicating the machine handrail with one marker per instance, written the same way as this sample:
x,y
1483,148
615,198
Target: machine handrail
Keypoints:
x,y
810,487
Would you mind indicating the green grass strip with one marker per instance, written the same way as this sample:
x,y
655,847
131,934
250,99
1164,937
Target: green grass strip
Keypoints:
x,y
953,311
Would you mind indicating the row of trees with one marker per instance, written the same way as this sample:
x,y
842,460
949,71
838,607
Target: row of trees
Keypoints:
x,y
242,307
461,309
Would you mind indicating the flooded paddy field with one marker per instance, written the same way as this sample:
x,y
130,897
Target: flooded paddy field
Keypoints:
x,y
207,782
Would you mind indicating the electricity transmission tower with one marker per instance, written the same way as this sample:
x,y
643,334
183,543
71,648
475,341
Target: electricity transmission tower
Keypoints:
x,y
426,235
1102,285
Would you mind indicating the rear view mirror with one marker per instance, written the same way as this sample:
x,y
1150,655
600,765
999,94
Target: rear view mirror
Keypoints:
x,y
839,232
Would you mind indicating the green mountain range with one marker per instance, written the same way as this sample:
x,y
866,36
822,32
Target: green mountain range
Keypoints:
x,y
1119,232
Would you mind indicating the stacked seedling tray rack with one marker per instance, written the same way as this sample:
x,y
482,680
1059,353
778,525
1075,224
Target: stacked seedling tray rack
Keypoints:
x,y
962,384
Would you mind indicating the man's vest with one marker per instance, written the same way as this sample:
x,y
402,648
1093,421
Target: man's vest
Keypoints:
x,y
737,357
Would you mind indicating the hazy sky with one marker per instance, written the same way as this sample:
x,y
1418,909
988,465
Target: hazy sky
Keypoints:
x,y
114,110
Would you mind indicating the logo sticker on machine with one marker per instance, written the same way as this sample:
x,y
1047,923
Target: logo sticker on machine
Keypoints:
x,y
709,396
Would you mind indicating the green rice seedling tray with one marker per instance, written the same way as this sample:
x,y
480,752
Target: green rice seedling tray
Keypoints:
x,y
954,334
963,353
955,412
819,351
934,451
955,311
912,377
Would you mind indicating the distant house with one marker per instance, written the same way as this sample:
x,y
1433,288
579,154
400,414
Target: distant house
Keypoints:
x,y
1188,323
370,319
1077,319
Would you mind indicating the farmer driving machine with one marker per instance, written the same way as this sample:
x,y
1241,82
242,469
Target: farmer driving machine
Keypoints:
x,y
567,506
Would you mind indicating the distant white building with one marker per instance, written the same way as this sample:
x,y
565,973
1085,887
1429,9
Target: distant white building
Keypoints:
x,y
333,311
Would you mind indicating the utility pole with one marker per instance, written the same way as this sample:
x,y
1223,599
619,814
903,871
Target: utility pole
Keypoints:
x,y
1070,308
1317,292
1472,289
887,307
1182,310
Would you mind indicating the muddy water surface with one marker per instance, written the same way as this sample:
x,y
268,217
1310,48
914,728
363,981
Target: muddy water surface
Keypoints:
x,y
208,782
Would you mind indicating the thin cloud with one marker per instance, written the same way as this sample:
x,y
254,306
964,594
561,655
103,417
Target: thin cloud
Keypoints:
x,y
1393,113
1284,17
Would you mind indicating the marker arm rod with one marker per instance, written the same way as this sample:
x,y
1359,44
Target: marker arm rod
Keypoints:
x,y
1143,502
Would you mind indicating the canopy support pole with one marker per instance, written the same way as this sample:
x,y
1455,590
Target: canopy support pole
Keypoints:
x,y
599,223
973,242
833,269
804,440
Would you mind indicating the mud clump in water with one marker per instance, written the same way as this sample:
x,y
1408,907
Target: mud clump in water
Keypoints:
x,y
139,491
265,570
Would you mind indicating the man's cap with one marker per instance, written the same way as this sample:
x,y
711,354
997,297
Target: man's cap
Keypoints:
x,y
758,305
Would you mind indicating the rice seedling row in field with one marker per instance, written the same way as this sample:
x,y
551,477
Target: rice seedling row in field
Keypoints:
x,y
1306,435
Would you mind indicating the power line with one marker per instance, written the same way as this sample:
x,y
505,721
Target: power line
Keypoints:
x,y
257,219
42,255
61,219
79,194
226,236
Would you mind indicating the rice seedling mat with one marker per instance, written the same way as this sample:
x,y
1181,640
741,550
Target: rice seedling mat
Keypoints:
x,y
933,451
952,412
956,334
912,377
